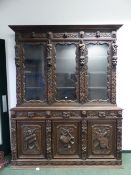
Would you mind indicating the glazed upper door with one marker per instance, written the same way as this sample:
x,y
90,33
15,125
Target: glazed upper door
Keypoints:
x,y
65,72
98,72
34,73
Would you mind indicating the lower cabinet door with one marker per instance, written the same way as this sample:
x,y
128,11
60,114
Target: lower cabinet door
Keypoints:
x,y
101,139
66,139
31,139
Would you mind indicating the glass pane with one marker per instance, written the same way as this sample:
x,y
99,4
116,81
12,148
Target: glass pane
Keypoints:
x,y
97,71
65,72
34,72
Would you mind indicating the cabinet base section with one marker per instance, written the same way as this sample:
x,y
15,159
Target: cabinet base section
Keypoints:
x,y
63,162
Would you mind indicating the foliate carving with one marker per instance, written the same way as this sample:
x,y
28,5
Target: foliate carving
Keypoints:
x,y
49,54
65,35
31,114
19,73
84,139
66,115
48,139
119,138
82,57
13,139
66,139
101,139
114,56
30,139
113,87
102,114
33,35
98,34
51,71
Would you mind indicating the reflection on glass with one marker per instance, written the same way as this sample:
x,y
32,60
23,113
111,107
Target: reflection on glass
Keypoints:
x,y
65,72
97,71
34,72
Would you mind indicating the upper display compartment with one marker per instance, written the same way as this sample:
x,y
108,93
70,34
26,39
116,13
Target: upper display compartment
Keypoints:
x,y
66,64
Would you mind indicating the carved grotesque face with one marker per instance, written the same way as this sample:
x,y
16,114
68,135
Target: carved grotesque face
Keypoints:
x,y
82,60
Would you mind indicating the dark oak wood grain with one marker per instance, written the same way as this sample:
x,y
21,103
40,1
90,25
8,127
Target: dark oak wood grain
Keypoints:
x,y
50,131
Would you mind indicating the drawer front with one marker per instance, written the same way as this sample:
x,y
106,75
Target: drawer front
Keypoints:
x,y
66,139
31,139
101,139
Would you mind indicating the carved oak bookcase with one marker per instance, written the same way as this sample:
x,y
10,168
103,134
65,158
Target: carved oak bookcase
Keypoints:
x,y
66,111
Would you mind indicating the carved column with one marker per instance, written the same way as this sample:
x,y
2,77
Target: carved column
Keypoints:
x,y
84,139
13,136
83,72
48,139
114,63
19,73
119,135
50,70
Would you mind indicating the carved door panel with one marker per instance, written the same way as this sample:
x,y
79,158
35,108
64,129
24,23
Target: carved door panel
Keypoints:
x,y
66,139
31,139
101,139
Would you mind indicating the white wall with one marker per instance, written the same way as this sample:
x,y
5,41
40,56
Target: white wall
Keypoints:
x,y
14,12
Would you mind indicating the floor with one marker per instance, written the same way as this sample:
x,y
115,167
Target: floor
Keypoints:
x,y
124,170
